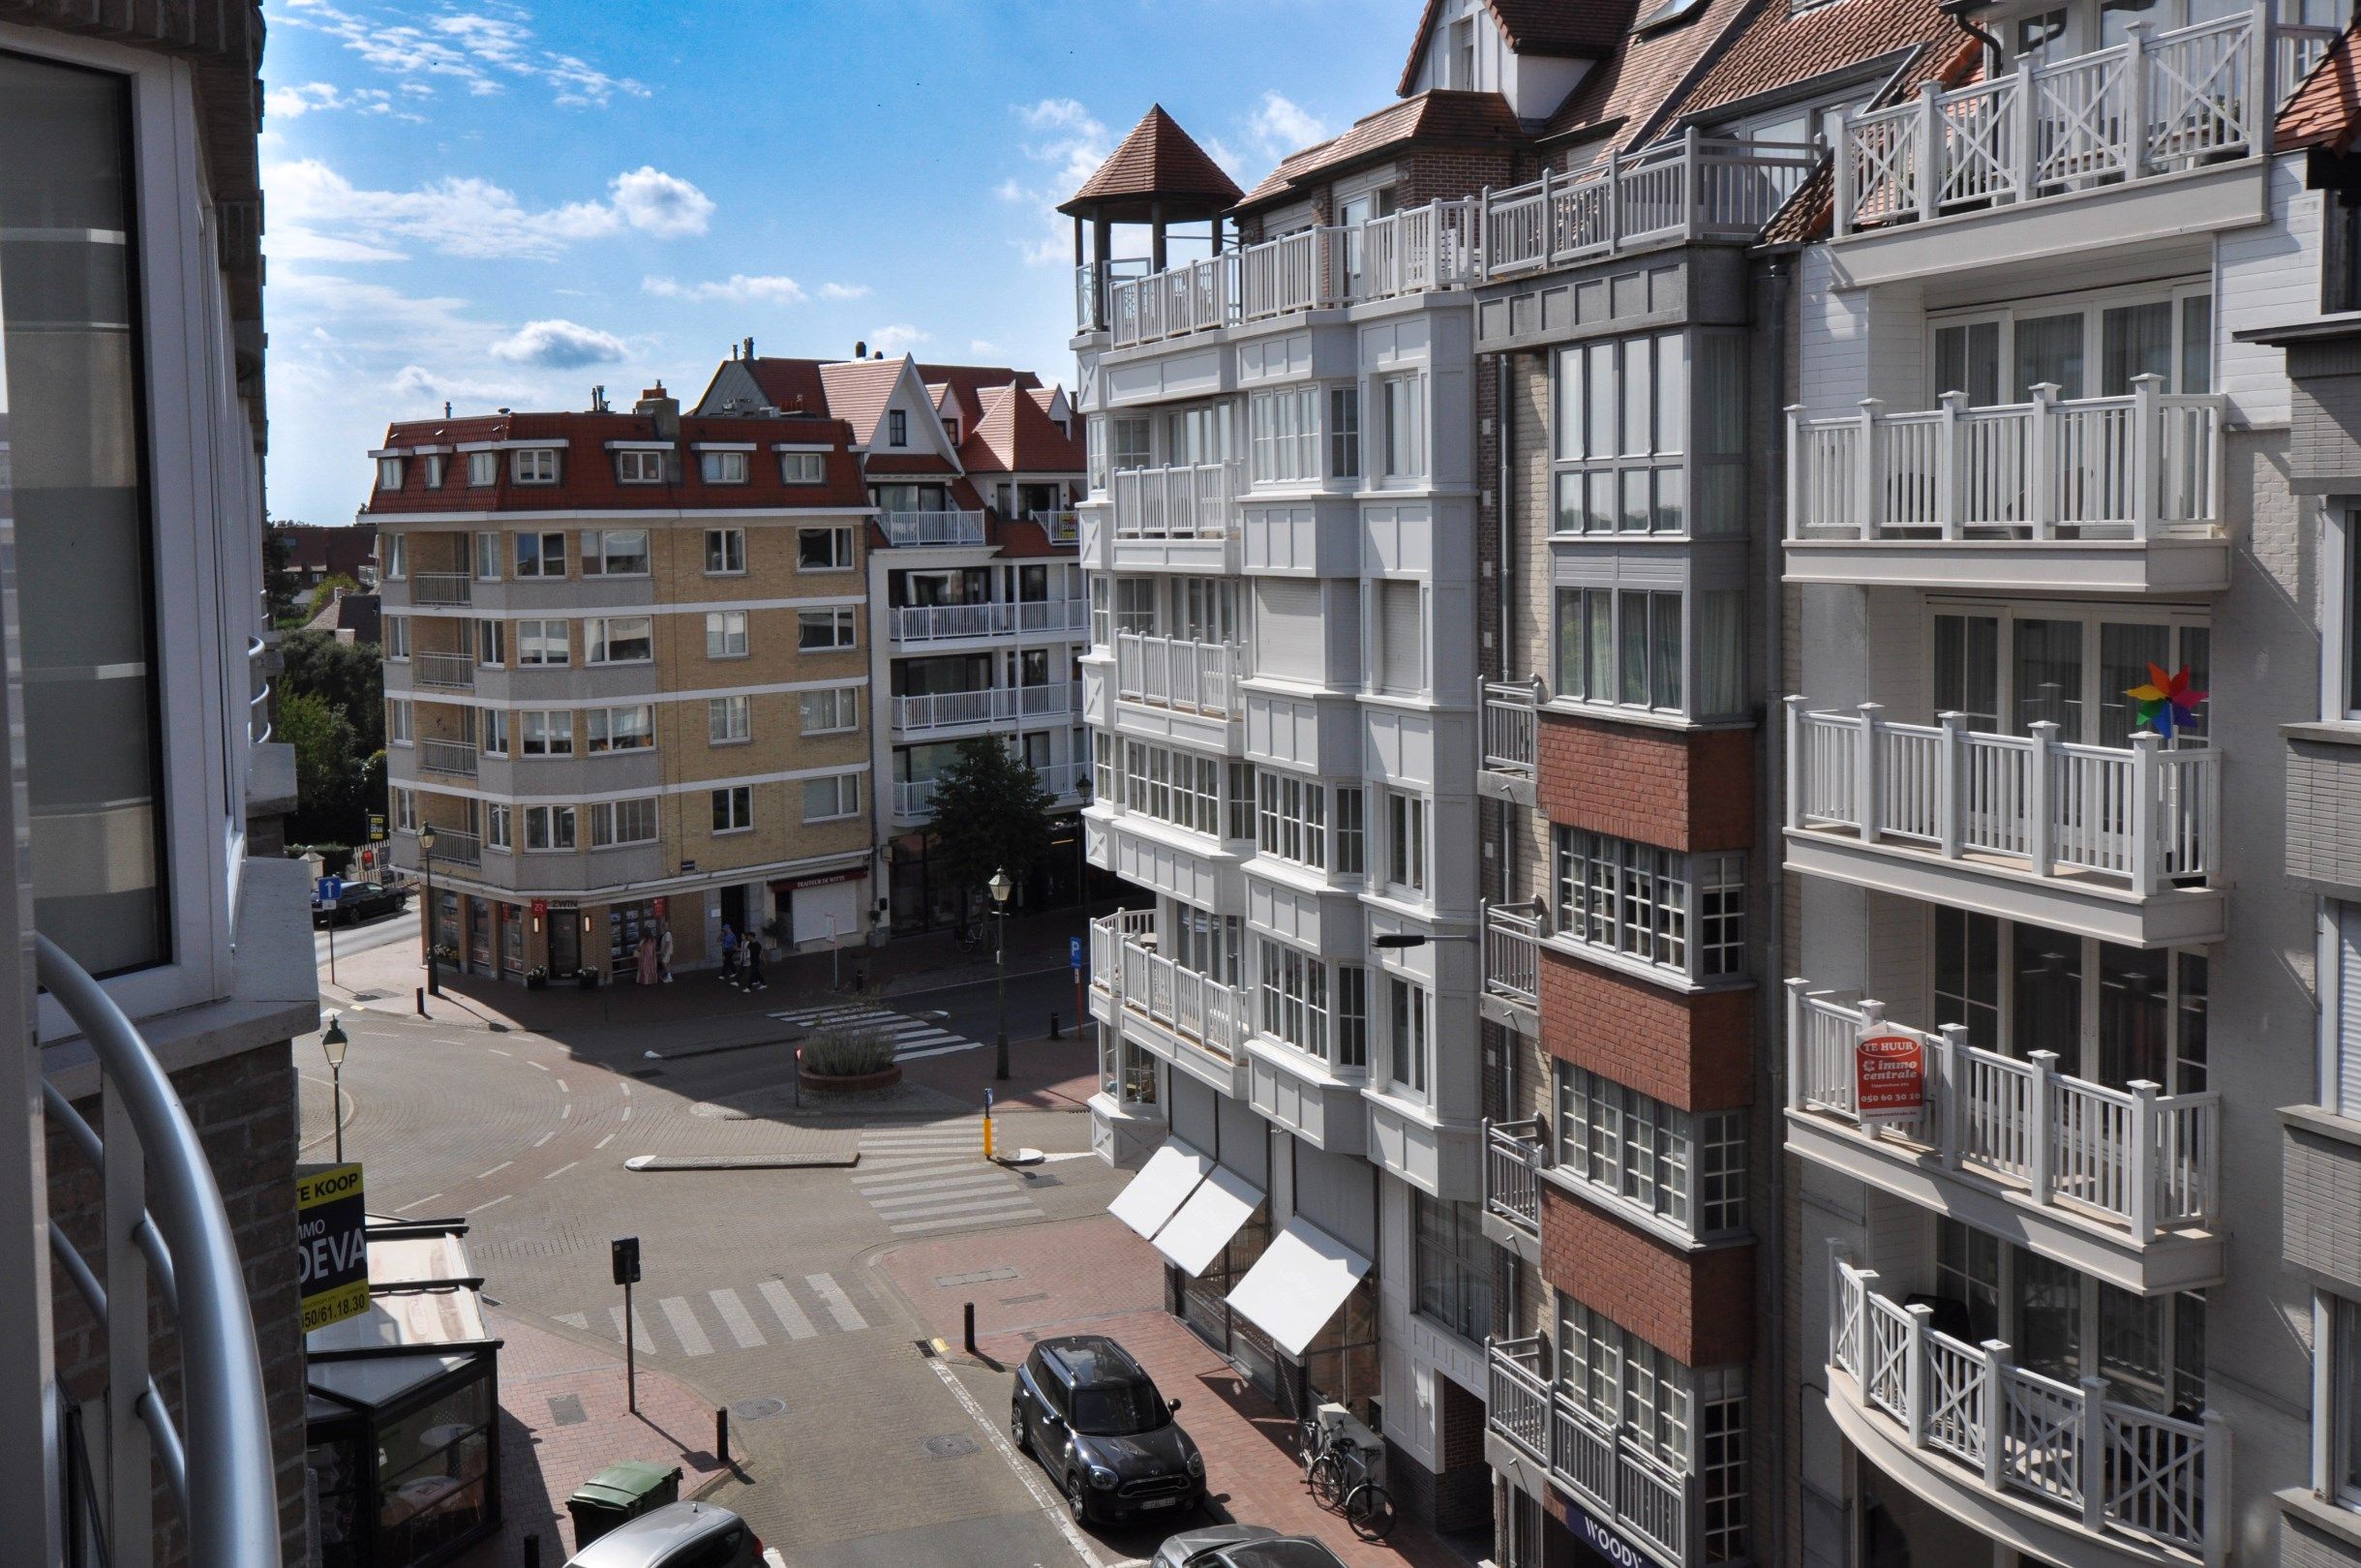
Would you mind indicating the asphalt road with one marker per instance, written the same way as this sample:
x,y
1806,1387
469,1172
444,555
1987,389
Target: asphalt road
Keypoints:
x,y
758,1284
381,932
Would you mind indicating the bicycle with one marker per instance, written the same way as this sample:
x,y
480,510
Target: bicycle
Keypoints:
x,y
1341,1474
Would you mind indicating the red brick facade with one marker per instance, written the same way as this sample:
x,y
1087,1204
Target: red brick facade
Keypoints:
x,y
1697,1308
1693,1051
1683,790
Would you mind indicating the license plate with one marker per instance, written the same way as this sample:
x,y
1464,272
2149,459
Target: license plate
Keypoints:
x,y
1160,1502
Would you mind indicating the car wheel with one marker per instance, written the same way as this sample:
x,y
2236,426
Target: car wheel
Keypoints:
x,y
1019,1431
1078,1498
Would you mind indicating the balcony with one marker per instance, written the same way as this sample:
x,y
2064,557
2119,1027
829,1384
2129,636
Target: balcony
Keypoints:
x,y
453,846
2056,1469
991,705
1674,193
1621,1483
2089,495
1197,1024
442,588
1514,1153
2161,134
443,672
913,799
453,757
998,618
2122,843
1062,525
1406,253
2123,1184
1511,739
902,529
1511,941
1180,676
1189,501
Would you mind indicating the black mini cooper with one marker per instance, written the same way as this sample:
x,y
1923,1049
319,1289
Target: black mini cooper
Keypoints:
x,y
1102,1431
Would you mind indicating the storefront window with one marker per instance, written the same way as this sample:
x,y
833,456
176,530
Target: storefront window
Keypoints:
x,y
1454,1267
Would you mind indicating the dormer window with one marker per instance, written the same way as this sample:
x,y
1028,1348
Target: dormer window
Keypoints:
x,y
723,468
639,467
898,428
1462,54
434,472
483,469
533,466
389,473
803,468
950,427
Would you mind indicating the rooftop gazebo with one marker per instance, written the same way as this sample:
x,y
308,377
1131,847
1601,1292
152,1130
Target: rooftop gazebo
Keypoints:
x,y
1158,177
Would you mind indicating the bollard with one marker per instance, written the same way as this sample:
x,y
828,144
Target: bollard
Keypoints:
x,y
1053,1034
721,1434
968,1337
533,1551
423,1002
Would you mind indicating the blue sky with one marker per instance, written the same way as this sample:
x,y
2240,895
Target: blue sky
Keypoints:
x,y
498,204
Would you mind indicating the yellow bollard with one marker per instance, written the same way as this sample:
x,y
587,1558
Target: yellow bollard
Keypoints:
x,y
987,1137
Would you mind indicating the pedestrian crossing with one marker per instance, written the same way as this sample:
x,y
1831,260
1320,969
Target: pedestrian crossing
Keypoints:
x,y
764,1312
932,1176
913,1038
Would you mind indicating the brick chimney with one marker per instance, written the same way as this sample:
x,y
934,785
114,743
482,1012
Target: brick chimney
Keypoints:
x,y
663,409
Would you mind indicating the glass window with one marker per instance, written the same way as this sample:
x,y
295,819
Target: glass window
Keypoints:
x,y
898,428
620,729
639,467
1351,1017
725,550
824,712
1967,359
540,555
725,634
733,808
1406,828
622,822
1454,1265
488,556
827,798
615,553
2344,1402
803,468
722,467
483,469
549,828
397,636
1406,1033
1344,431
621,639
2049,350
543,642
537,465
821,630
824,550
727,719
547,734
1351,830
1636,899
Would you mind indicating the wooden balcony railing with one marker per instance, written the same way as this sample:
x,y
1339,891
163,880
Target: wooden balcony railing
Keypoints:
x,y
1184,501
1696,188
1213,1018
1173,672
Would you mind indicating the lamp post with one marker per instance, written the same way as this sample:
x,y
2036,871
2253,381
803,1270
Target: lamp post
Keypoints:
x,y
1001,887
426,865
334,1044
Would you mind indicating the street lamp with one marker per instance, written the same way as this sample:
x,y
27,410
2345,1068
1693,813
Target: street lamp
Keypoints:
x,y
1394,940
1001,887
426,864
334,1042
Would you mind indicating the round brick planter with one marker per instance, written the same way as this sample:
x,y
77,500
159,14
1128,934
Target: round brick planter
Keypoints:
x,y
850,1083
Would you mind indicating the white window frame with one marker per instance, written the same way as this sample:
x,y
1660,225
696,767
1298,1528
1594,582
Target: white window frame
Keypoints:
x,y
397,555
599,556
839,556
1694,904
533,466
725,634
2092,305
598,637
844,709
1410,847
539,565
610,819
599,735
723,468
541,648
558,827
843,628
489,550
803,468
728,548
1292,998
483,469
397,639
1668,1166
389,473
1401,433
398,721
545,732
847,790
499,825
1410,1035
729,721
493,727
731,809
641,466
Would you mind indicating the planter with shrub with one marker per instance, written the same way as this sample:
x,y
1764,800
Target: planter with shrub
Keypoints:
x,y
849,1057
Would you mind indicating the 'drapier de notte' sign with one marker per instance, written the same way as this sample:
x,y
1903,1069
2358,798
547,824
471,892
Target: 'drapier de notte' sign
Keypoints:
x,y
331,1245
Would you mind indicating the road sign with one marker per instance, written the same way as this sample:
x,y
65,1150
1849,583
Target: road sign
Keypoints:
x,y
1888,1078
1073,952
626,1261
331,1245
330,890
377,827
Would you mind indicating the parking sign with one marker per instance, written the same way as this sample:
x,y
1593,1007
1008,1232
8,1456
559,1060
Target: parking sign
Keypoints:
x,y
1073,952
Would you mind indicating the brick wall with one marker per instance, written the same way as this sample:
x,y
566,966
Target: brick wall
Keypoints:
x,y
1693,1051
1676,789
1463,1487
243,1107
1695,1307
1449,173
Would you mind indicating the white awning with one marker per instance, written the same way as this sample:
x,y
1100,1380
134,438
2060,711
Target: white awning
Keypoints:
x,y
1195,1236
1163,1184
1297,1285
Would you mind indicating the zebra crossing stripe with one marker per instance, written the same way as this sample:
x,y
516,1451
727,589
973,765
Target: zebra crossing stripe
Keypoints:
x,y
580,1320
639,1327
998,1203
880,1193
684,1326
789,1311
929,1171
912,1038
972,1222
734,1315
839,1305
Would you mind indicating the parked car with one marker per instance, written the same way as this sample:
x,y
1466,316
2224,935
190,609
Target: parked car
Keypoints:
x,y
676,1535
1101,1430
359,901
1243,1546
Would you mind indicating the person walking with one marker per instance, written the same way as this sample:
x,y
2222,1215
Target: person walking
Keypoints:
x,y
728,952
664,953
754,963
646,956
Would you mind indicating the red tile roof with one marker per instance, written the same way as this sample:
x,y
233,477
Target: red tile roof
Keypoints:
x,y
1546,27
1437,116
1628,93
1780,46
1022,536
907,465
858,391
1811,212
1158,159
1014,435
790,383
2325,110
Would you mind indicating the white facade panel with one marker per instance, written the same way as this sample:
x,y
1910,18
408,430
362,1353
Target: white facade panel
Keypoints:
x,y
2266,276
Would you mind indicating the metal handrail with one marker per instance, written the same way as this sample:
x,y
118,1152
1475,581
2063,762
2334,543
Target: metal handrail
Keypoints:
x,y
256,648
231,1508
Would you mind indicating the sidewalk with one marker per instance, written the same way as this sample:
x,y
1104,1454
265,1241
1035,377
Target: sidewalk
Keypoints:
x,y
562,1420
386,979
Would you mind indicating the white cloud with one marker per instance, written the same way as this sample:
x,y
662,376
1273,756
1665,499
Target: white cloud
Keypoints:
x,y
318,213
1070,145
1281,126
476,50
738,288
661,204
294,101
897,339
981,348
838,290
559,345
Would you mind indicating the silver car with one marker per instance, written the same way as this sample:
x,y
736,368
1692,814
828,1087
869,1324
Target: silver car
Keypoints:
x,y
676,1535
1243,1546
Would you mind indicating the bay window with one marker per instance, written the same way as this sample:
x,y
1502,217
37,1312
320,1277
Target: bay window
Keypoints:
x,y
1454,1266
620,640
546,733
1635,901
1293,819
1688,1169
1351,830
549,828
397,638
1406,835
1344,432
389,473
1294,994
1283,436
623,822
1407,1030
615,553
1171,786
1632,647
620,729
500,827
1352,1019
543,643
1402,428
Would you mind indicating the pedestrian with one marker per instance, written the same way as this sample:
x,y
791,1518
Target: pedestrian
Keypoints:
x,y
664,953
644,958
754,964
729,950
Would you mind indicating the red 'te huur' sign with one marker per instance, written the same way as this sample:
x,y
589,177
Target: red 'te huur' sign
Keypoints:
x,y
1889,1078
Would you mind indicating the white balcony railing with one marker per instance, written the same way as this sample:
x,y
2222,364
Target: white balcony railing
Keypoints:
x,y
2066,1446
1509,733
1062,525
1125,965
2126,468
2134,1156
447,757
948,622
949,709
1697,188
932,527
1189,501
1601,1466
1173,672
1093,284
2147,106
1513,1155
2140,815
1512,951
448,672
441,587
914,797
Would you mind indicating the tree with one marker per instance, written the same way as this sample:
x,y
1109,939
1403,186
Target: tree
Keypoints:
x,y
347,676
326,593
327,770
278,575
990,814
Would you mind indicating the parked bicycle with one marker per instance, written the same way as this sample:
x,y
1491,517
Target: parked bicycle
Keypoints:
x,y
1341,1474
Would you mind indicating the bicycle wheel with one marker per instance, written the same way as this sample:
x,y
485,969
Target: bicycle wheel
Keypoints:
x,y
1370,1511
1327,1480
1307,1441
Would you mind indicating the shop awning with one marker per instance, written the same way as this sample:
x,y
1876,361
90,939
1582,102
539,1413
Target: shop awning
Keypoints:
x,y
1301,1280
1194,1236
1163,1184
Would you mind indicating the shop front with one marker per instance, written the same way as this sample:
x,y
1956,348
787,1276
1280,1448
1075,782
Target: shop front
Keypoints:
x,y
628,923
823,909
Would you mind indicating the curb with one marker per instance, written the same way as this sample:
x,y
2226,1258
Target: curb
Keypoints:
x,y
661,1163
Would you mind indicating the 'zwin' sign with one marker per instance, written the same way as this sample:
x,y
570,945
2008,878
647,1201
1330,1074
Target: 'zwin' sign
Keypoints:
x,y
1888,1078
331,1245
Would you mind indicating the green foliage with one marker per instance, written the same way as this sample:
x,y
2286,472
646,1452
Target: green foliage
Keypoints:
x,y
326,593
348,676
848,1051
278,577
990,814
326,775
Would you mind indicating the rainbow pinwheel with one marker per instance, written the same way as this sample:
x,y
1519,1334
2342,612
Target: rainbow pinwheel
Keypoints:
x,y
2166,701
